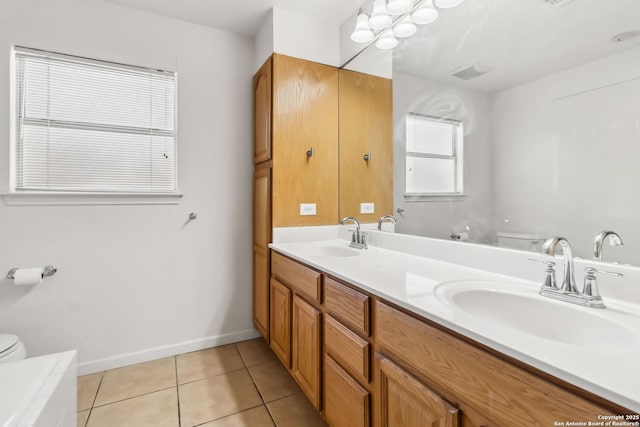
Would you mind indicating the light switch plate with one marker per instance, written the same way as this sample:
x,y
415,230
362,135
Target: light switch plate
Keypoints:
x,y
366,208
307,209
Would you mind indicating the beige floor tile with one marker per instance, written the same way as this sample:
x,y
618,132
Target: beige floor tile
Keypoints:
x,y
159,409
273,381
136,380
256,417
216,397
83,416
208,363
256,351
87,389
295,411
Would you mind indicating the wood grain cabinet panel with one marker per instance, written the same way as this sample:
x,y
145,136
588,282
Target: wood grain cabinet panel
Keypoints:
x,y
347,404
350,306
366,126
261,292
305,115
498,390
261,239
306,349
406,402
298,277
280,322
348,348
262,113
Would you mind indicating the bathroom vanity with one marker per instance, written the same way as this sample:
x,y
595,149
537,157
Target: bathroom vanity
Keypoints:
x,y
372,338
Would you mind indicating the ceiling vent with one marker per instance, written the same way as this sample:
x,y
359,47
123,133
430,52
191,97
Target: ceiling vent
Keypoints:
x,y
556,3
469,72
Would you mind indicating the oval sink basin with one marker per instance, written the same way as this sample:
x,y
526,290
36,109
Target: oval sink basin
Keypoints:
x,y
520,307
336,251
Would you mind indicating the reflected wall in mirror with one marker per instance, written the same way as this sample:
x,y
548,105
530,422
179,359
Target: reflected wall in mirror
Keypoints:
x,y
550,106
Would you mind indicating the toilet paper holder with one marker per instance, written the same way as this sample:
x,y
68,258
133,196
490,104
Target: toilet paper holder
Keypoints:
x,y
48,271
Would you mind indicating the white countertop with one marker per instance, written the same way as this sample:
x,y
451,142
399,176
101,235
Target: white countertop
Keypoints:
x,y
610,370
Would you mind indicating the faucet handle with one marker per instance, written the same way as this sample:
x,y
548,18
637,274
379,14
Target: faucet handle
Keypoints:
x,y
591,271
550,279
590,288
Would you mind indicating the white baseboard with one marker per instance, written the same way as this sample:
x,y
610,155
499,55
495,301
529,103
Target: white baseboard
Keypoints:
x,y
164,351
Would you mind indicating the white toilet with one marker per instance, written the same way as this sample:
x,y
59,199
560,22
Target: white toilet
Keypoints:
x,y
11,348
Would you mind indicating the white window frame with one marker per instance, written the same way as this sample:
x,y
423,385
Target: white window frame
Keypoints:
x,y
457,156
16,196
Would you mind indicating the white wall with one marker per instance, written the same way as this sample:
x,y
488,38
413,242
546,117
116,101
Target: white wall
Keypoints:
x,y
439,218
263,42
137,278
566,152
296,35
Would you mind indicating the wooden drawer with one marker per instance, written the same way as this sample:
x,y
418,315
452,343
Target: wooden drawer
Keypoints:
x,y
353,352
346,402
464,373
350,306
299,278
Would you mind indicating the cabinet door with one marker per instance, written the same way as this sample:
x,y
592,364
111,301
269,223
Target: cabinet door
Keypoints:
x,y
406,402
346,402
280,330
305,115
261,292
262,113
306,349
261,239
366,126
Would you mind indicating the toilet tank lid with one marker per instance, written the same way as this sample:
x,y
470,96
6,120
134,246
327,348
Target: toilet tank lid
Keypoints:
x,y
521,236
7,341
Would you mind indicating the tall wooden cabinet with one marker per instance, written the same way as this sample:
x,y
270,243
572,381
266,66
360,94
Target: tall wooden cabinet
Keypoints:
x,y
366,129
261,239
296,158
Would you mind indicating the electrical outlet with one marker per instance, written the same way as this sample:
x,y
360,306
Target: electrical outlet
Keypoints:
x,y
366,208
307,209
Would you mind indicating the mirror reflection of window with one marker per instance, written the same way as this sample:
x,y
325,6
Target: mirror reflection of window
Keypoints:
x,y
434,165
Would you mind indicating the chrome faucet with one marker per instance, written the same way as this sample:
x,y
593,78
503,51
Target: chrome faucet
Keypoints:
x,y
358,240
614,240
549,247
568,292
386,218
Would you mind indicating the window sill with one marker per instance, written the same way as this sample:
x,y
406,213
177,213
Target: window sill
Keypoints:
x,y
453,197
36,198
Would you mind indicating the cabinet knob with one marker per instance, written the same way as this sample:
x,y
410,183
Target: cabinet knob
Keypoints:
x,y
310,152
367,156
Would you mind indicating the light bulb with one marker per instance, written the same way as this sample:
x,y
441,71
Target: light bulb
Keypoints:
x,y
398,7
405,28
387,41
362,32
379,17
425,14
446,4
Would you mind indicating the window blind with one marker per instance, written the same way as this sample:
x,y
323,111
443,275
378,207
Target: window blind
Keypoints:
x,y
433,156
91,126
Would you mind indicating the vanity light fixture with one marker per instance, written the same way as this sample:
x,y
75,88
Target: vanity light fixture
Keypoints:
x,y
399,7
380,18
362,33
405,14
405,28
387,41
425,14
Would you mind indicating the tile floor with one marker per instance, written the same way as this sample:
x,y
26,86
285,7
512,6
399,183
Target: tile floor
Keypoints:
x,y
235,385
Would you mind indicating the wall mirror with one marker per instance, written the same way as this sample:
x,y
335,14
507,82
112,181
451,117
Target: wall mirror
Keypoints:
x,y
548,96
